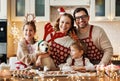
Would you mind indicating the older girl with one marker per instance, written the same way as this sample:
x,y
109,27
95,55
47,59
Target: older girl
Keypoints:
x,y
25,51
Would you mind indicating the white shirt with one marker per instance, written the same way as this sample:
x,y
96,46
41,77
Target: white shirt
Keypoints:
x,y
78,62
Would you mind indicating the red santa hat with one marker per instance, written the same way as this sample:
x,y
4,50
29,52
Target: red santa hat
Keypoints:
x,y
61,10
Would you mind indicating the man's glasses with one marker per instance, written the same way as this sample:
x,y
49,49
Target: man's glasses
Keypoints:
x,y
81,17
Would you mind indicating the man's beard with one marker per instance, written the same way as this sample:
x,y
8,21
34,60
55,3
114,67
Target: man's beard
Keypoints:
x,y
83,26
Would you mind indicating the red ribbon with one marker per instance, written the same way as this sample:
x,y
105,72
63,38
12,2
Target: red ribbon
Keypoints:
x,y
20,63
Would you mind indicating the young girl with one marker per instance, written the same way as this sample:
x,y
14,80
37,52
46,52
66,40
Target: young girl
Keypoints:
x,y
25,51
77,61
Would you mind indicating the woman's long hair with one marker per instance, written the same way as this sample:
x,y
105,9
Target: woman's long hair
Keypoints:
x,y
72,28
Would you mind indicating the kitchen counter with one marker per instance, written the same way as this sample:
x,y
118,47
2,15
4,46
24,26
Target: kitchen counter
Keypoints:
x,y
62,78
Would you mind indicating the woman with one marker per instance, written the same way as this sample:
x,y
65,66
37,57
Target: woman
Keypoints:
x,y
59,38
25,51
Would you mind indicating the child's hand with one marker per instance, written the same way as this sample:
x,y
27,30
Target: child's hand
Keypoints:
x,y
81,69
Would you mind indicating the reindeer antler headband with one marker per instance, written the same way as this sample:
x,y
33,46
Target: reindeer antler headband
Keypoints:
x,y
30,17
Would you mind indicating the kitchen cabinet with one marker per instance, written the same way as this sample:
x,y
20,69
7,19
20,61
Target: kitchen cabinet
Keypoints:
x,y
100,10
69,2
3,9
20,8
115,10
105,10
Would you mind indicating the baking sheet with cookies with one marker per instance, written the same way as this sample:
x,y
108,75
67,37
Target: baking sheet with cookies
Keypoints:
x,y
63,73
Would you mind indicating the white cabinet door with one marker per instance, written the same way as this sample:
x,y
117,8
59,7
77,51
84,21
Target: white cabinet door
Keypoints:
x,y
69,2
20,8
100,10
115,10
3,9
41,8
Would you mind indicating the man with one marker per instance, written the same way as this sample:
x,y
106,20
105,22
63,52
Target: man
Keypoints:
x,y
99,49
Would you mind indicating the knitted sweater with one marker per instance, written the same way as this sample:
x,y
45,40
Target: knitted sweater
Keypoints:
x,y
101,41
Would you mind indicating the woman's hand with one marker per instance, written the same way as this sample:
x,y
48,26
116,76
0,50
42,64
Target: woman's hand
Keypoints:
x,y
81,69
40,56
38,61
74,36
44,55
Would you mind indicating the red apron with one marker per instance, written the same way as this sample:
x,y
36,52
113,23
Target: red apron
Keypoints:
x,y
59,53
93,53
83,60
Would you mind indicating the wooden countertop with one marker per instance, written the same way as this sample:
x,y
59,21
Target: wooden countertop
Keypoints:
x,y
72,78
